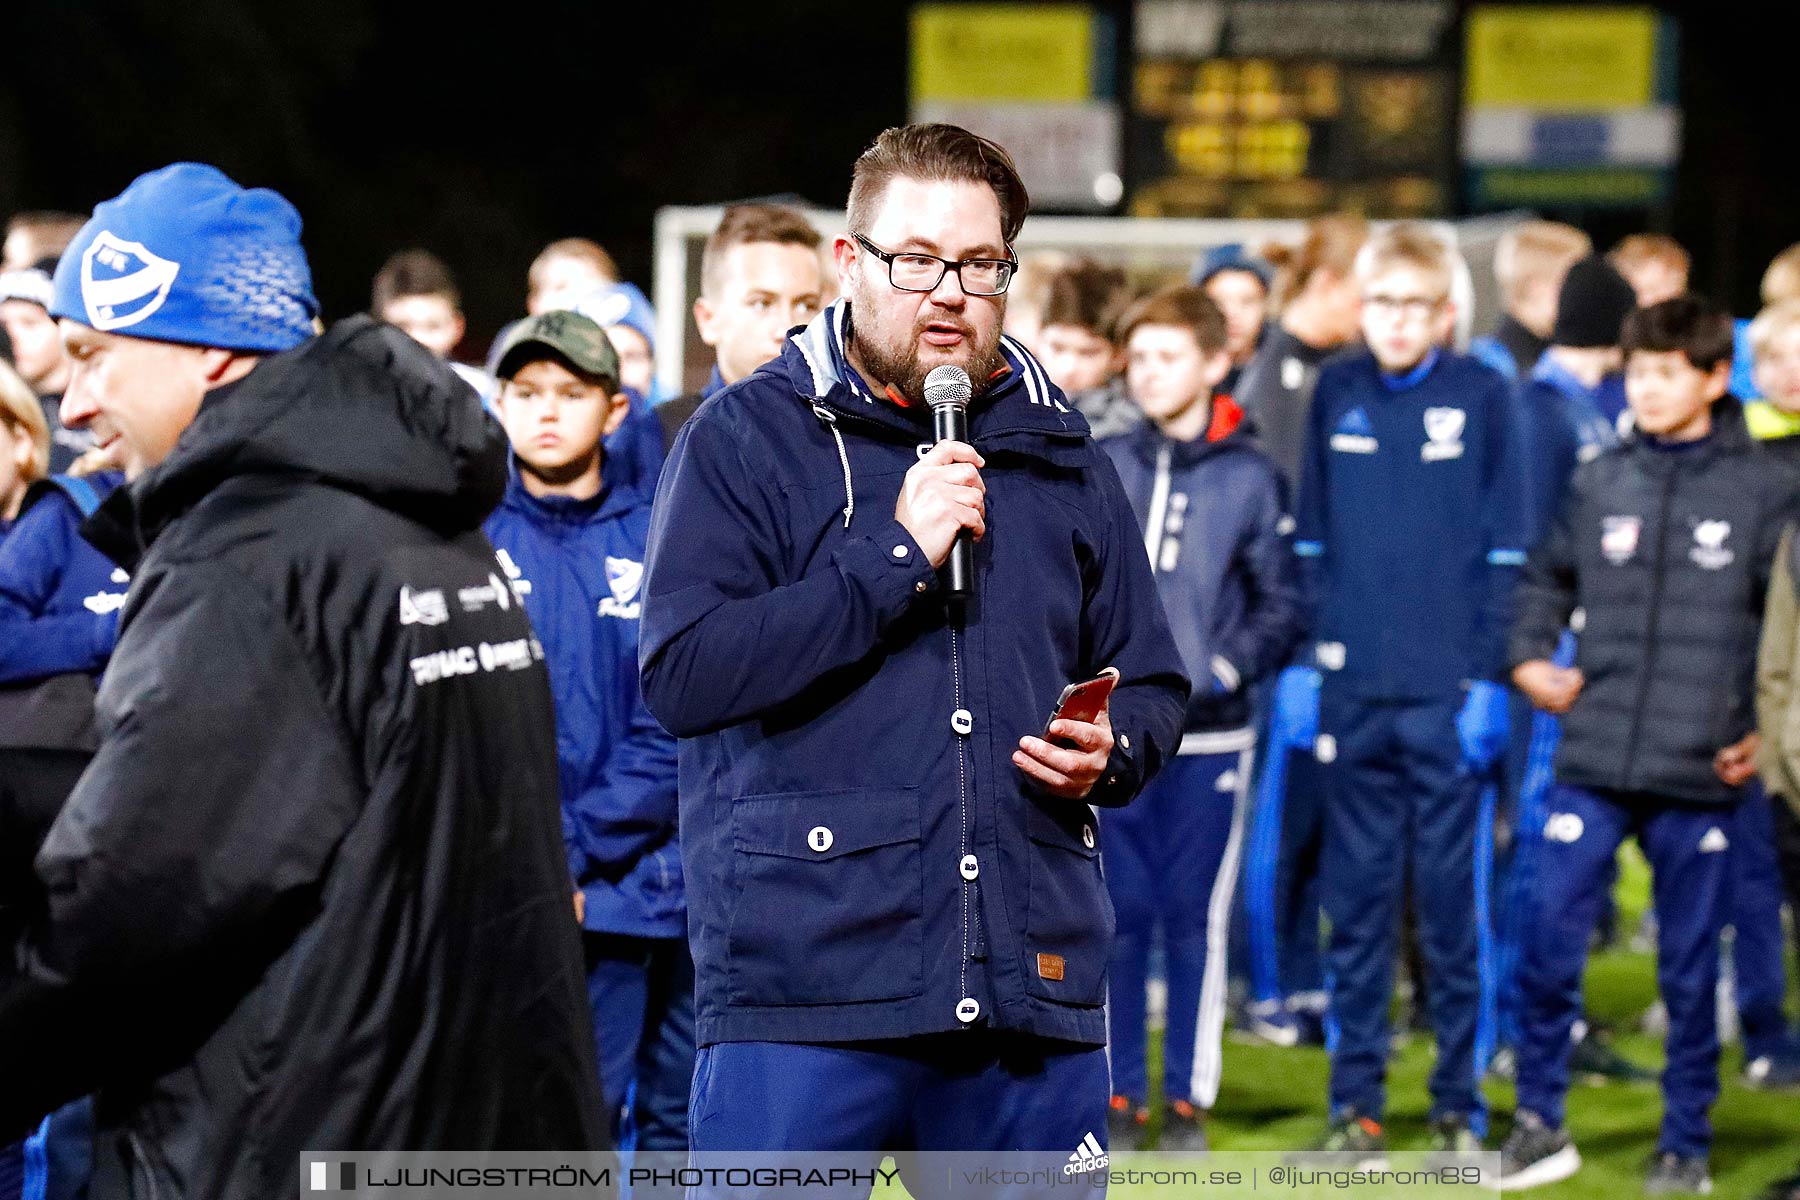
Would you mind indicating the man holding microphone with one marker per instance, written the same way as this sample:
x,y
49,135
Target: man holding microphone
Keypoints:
x,y
898,919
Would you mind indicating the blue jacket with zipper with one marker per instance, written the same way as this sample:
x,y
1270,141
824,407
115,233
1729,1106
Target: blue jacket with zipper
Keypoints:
x,y
59,597
577,565
1216,527
1569,426
867,861
1413,520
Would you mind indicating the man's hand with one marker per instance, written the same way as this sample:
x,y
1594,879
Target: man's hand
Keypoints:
x,y
941,496
1548,686
1069,774
1736,763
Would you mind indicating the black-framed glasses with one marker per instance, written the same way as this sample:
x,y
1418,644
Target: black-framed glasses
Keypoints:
x,y
1410,308
914,272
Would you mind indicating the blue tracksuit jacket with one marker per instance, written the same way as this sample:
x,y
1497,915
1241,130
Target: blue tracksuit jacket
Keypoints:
x,y
59,597
865,860
578,567
1569,426
1214,514
1413,520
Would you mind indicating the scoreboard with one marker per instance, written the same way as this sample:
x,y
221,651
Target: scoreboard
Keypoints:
x,y
1287,108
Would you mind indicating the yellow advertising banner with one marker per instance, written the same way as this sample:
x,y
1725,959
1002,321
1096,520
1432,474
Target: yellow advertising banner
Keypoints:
x,y
963,52
1575,59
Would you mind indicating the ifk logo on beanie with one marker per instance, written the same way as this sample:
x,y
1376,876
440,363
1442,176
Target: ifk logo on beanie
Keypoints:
x,y
186,255
123,283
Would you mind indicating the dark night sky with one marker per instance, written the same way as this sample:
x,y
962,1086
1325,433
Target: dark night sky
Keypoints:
x,y
483,137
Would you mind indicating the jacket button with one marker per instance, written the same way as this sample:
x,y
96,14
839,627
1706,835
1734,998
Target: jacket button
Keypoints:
x,y
1124,741
969,867
920,586
1087,836
963,721
899,551
819,838
967,1009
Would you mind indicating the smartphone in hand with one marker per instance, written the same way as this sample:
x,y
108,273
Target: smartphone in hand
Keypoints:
x,y
1082,702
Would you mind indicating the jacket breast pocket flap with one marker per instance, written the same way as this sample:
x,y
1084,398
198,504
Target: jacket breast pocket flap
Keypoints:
x,y
828,897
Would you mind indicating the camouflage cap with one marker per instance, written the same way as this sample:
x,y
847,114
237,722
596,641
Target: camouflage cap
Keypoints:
x,y
569,335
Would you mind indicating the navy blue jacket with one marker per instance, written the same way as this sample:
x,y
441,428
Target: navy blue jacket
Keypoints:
x,y
634,452
577,565
1412,521
1569,426
865,860
59,597
1216,527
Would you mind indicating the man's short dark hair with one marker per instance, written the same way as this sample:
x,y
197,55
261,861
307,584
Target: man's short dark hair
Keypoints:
x,y
749,224
413,273
1691,324
1087,296
1183,306
938,153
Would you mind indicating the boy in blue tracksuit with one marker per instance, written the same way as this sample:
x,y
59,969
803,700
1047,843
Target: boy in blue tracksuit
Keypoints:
x,y
571,544
1411,525
1570,399
59,617
1213,508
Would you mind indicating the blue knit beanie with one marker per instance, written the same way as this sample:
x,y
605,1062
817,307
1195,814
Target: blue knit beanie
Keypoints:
x,y
1229,257
186,255
620,304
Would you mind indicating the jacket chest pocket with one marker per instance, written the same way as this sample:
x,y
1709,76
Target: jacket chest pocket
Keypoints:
x,y
830,897
1069,916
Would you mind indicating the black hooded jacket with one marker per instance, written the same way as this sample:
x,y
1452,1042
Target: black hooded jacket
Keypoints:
x,y
311,894
1667,554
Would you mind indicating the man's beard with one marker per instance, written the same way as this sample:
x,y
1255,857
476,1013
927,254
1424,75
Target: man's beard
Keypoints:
x,y
897,365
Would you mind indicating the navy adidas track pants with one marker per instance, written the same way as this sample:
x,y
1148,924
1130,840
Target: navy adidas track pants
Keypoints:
x,y
1690,864
1171,863
1400,805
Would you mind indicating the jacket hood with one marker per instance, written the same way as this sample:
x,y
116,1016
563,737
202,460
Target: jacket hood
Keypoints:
x,y
611,500
363,408
1230,428
1019,399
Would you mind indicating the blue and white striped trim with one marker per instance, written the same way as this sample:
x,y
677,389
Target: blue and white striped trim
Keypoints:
x,y
1506,558
821,344
1310,549
1037,383
1221,741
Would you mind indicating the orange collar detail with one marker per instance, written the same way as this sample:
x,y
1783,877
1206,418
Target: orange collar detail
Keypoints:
x,y
1226,417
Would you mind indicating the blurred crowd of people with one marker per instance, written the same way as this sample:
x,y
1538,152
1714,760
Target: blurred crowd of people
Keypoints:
x,y
1459,615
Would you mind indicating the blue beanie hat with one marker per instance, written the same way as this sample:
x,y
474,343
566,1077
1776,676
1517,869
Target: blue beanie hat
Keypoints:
x,y
186,255
1229,257
620,304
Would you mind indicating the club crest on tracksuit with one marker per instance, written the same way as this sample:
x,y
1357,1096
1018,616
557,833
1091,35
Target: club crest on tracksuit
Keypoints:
x,y
1709,545
1619,538
623,577
1355,434
1443,431
122,282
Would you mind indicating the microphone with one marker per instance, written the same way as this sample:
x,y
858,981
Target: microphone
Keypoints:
x,y
947,390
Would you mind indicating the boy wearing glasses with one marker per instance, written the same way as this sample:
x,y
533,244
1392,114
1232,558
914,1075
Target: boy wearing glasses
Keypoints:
x,y
1412,520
